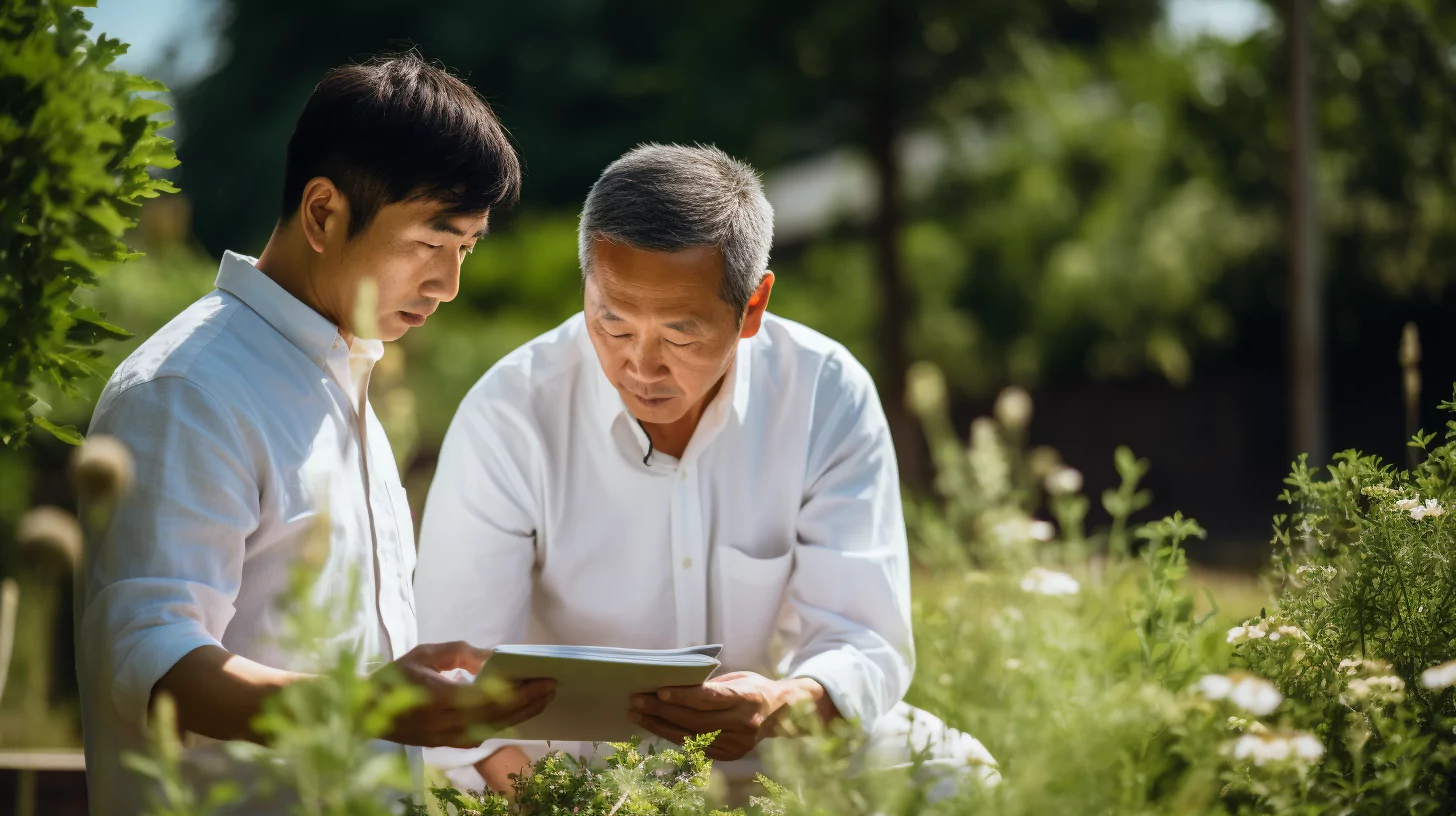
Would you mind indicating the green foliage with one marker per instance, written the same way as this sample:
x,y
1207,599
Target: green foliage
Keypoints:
x,y
1366,572
76,141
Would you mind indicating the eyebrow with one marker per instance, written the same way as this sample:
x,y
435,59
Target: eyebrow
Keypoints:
x,y
440,224
686,326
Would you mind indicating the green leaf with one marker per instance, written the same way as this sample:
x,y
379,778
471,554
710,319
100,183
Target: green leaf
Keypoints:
x,y
65,433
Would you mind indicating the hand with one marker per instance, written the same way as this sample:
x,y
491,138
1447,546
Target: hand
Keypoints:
x,y
456,712
742,706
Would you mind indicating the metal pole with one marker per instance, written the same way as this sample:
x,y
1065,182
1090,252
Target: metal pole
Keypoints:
x,y
1306,325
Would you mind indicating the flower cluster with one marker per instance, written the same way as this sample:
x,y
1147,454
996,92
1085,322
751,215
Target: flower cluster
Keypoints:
x,y
1263,747
1250,692
1049,582
1251,630
1430,509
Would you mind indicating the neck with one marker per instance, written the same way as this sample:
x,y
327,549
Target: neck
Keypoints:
x,y
289,261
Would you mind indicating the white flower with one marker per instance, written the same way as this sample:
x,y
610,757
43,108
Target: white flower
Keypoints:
x,y
1433,508
1380,689
1048,582
1013,408
1257,631
1291,631
1064,481
1270,748
1439,677
925,388
1407,505
1042,530
1251,693
1238,634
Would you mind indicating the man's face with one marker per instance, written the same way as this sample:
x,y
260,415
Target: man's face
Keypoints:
x,y
661,331
412,251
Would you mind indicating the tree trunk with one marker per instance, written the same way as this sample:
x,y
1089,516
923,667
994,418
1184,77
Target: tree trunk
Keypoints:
x,y
1306,329
883,129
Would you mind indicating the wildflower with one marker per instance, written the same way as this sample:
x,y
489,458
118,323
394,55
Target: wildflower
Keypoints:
x,y
925,388
1042,530
102,468
1064,481
1407,505
1250,692
1383,688
49,532
1249,631
1441,676
1049,582
1431,508
1273,748
1013,408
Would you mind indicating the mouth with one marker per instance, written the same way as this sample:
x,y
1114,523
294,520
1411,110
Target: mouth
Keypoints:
x,y
651,402
413,318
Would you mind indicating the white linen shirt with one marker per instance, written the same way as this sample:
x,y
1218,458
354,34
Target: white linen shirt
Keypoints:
x,y
248,417
779,533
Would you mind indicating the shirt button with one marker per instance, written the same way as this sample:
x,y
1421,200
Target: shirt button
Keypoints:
x,y
685,474
687,563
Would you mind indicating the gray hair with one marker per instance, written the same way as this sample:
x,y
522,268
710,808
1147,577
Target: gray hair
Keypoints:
x,y
666,198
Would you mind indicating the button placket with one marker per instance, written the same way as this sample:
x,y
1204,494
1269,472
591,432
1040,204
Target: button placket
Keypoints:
x,y
690,586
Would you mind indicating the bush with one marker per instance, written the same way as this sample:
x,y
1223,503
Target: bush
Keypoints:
x,y
76,141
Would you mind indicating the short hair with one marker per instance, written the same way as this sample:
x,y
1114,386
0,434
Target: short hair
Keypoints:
x,y
667,198
397,128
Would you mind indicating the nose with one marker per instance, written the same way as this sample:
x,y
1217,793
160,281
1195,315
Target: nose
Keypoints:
x,y
645,362
443,284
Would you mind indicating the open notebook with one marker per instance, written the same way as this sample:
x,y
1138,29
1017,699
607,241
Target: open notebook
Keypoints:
x,y
595,684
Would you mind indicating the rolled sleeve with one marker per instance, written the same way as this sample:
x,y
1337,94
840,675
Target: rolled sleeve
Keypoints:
x,y
162,580
851,582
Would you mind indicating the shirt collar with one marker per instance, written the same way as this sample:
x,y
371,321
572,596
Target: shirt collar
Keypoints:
x,y
315,335
607,405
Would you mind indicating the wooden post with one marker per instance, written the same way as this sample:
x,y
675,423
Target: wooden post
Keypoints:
x,y
1306,324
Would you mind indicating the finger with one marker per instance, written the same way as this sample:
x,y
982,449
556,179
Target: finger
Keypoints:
x,y
660,727
692,719
505,717
456,654
707,697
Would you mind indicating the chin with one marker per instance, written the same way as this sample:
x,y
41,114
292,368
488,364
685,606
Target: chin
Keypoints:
x,y
661,414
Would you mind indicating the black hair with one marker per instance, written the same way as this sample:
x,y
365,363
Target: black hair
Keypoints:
x,y
397,128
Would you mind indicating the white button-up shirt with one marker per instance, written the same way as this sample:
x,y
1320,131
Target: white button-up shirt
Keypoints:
x,y
248,419
778,534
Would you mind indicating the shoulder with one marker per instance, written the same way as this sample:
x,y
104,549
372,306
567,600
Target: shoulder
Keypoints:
x,y
535,376
792,352
183,350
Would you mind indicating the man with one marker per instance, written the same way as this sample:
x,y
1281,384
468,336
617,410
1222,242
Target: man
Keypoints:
x,y
250,424
675,466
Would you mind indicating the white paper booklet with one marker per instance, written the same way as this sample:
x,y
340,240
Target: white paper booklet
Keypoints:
x,y
595,684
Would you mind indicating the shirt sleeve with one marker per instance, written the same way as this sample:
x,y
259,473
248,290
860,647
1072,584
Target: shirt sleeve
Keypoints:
x,y
478,536
851,579
162,580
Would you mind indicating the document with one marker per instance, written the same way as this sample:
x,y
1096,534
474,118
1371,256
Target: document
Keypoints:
x,y
595,684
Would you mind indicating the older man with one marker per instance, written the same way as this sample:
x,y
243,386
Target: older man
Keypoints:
x,y
675,466
249,420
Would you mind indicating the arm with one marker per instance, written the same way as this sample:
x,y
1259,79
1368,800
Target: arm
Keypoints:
x,y
477,544
850,587
851,581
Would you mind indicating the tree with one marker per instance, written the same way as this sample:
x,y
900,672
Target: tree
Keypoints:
x,y
76,142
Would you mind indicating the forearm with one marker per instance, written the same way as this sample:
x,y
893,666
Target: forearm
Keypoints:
x,y
218,693
497,768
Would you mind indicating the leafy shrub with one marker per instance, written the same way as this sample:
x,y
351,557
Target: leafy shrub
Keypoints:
x,y
76,141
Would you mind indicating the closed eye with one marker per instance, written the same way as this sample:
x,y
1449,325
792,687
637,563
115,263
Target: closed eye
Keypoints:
x,y
676,345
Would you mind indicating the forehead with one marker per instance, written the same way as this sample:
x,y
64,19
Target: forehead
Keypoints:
x,y
686,281
435,216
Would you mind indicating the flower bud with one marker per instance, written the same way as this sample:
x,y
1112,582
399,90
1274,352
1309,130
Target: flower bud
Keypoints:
x,y
1064,481
925,388
1013,408
102,469
50,533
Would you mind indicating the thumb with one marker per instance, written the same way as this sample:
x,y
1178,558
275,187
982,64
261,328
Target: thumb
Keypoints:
x,y
458,654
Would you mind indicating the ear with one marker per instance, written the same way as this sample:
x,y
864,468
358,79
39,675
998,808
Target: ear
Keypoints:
x,y
757,305
323,214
